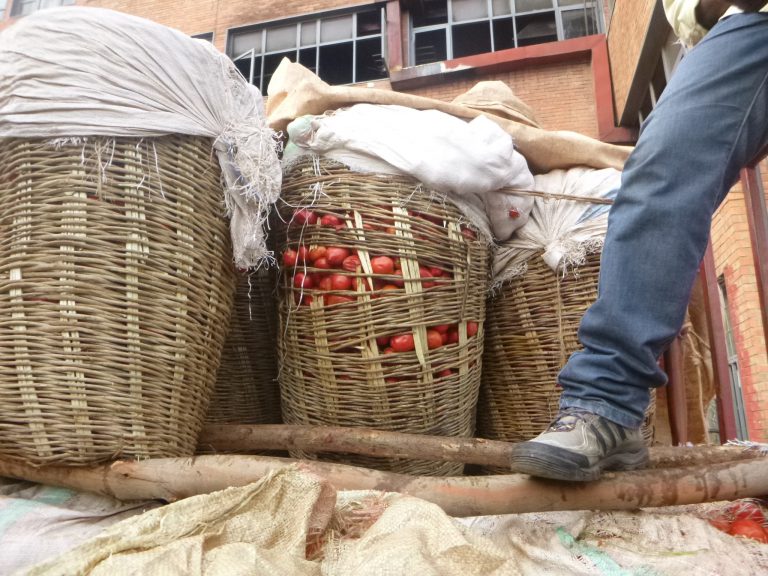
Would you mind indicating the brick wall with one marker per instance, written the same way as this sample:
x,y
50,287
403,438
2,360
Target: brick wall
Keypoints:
x,y
733,260
562,95
628,30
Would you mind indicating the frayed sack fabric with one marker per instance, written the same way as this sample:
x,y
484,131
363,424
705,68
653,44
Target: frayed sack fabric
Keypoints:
x,y
80,72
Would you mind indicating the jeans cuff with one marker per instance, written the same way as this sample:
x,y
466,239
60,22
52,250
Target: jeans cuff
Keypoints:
x,y
607,411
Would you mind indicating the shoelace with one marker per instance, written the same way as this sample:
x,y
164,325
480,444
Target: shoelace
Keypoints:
x,y
567,419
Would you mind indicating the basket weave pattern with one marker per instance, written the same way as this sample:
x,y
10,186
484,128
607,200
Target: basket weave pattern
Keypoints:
x,y
246,385
340,364
530,333
115,294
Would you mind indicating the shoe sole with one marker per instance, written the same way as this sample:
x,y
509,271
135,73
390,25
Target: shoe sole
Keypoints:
x,y
545,461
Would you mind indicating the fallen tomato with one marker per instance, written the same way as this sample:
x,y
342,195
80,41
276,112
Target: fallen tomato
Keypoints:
x,y
748,528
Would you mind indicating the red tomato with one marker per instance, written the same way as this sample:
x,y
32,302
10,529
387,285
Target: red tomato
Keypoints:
x,y
331,299
340,282
722,524
325,284
514,213
300,280
434,339
472,328
382,341
330,220
304,216
351,263
445,337
302,299
468,234
425,273
444,373
453,336
290,257
435,271
402,343
400,283
336,255
301,254
390,287
382,265
322,263
389,350
442,328
741,509
749,529
316,252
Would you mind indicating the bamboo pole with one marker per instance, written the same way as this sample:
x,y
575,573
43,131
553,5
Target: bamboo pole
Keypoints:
x,y
245,439
170,479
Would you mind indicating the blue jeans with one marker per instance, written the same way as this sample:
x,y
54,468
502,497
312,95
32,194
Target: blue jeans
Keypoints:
x,y
711,120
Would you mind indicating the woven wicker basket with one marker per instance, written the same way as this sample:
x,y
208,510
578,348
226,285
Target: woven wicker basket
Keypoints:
x,y
339,366
116,288
531,331
246,385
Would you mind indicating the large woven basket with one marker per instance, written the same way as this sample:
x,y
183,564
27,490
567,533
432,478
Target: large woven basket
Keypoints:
x,y
246,385
116,288
340,362
531,331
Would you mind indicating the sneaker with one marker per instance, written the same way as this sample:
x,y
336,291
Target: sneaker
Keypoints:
x,y
578,446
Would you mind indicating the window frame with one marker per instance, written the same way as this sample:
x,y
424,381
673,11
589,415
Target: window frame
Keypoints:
x,y
16,4
315,20
447,26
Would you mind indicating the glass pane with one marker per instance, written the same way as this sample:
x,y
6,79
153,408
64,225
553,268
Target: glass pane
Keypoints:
x,y
244,41
577,23
336,63
572,2
502,7
536,29
529,5
281,38
503,34
67,2
308,33
50,4
369,22
2,8
369,62
429,13
308,58
430,47
464,10
244,65
333,29
23,7
271,62
469,39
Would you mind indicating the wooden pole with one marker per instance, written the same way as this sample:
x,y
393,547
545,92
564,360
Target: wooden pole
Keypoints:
x,y
246,439
171,479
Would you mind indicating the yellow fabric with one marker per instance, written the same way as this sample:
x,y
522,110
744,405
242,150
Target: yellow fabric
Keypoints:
x,y
682,16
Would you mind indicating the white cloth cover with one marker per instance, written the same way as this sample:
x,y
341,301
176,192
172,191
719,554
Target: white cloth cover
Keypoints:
x,y
79,72
445,153
565,230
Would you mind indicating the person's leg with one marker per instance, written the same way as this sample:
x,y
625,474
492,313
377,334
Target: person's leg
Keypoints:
x,y
710,121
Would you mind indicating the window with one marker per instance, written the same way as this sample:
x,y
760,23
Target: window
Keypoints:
x,y
26,7
341,48
733,364
446,29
